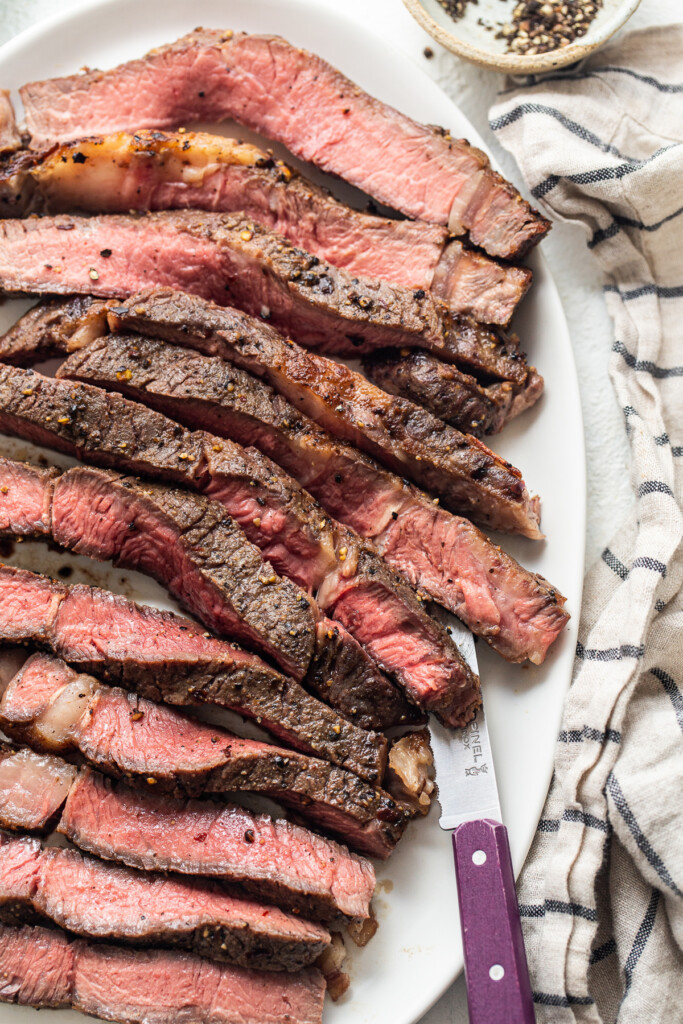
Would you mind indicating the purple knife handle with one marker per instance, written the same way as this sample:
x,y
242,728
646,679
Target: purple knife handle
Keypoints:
x,y
498,987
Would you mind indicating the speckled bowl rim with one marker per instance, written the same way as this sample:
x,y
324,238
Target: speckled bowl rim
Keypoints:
x,y
514,63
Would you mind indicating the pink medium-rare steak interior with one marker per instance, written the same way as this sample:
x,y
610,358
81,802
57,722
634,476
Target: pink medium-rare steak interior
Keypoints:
x,y
196,551
518,612
156,986
41,967
50,704
36,967
10,138
90,626
165,657
25,499
272,859
297,98
97,900
33,787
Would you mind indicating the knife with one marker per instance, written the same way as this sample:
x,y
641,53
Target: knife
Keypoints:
x,y
496,972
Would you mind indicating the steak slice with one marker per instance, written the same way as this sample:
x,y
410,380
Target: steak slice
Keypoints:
x,y
40,967
53,327
229,258
459,469
344,675
289,526
297,98
184,541
36,967
153,170
53,708
10,139
475,285
166,658
100,901
33,787
271,860
455,397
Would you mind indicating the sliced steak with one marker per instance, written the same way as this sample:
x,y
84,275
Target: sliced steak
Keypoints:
x,y
36,967
33,787
229,258
472,577
40,967
102,901
103,515
184,541
460,470
455,397
10,139
167,658
291,529
272,860
53,708
153,170
297,98
519,613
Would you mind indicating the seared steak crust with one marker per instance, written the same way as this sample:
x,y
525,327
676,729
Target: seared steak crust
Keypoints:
x,y
99,427
288,94
41,968
99,901
241,262
453,396
53,708
183,540
343,675
166,658
466,476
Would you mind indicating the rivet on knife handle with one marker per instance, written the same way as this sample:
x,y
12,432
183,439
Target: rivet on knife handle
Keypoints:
x,y
498,987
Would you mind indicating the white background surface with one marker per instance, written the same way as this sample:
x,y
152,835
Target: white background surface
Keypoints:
x,y
609,494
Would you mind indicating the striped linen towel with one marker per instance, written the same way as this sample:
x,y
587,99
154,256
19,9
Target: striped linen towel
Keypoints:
x,y
601,893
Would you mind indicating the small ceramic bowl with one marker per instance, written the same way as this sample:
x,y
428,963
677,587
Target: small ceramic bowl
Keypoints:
x,y
469,38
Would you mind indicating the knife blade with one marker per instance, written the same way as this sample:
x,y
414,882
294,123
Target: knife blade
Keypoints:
x,y
496,972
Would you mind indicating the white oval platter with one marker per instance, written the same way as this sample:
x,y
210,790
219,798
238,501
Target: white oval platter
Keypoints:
x,y
417,951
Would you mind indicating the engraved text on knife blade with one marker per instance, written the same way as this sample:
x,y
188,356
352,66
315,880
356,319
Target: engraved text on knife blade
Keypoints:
x,y
465,775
